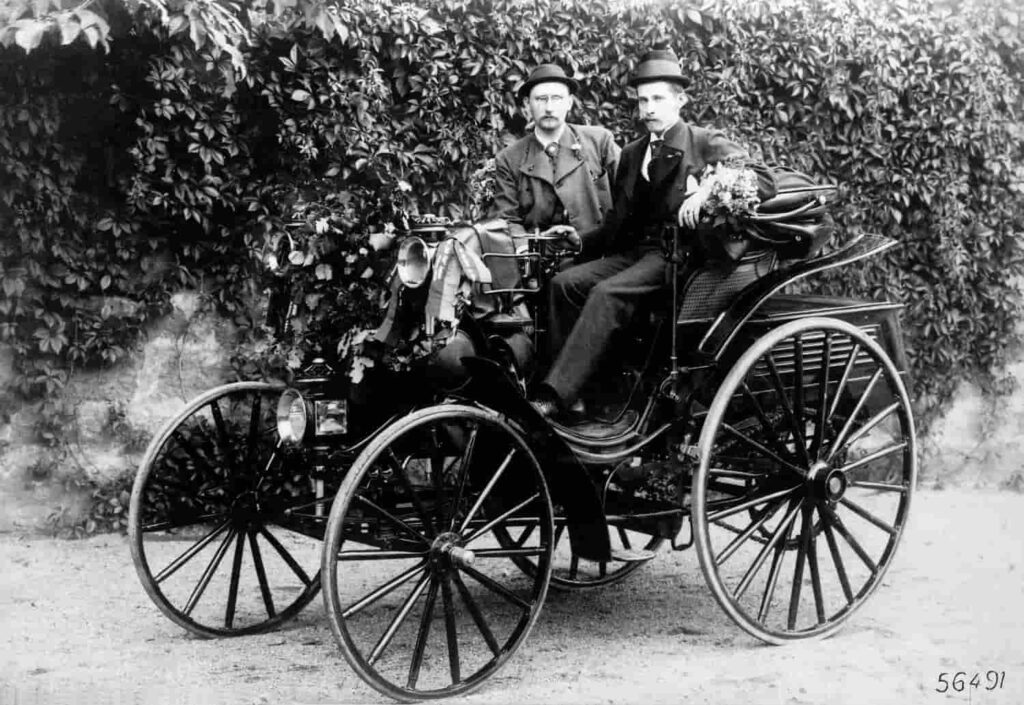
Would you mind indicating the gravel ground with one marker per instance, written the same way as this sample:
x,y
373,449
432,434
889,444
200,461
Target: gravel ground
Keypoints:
x,y
77,627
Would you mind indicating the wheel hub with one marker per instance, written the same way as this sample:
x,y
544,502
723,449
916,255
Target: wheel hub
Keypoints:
x,y
826,482
446,548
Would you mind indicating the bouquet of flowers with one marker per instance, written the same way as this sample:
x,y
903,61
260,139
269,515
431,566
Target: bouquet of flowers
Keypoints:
x,y
731,197
732,193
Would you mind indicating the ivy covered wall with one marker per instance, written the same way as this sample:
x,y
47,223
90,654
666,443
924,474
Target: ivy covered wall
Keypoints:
x,y
155,146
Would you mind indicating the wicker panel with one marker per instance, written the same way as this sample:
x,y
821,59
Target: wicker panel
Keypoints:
x,y
710,290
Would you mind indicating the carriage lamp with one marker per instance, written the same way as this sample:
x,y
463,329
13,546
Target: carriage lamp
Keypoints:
x,y
292,418
330,416
414,261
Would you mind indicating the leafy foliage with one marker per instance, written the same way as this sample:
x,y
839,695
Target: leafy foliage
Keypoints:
x,y
157,145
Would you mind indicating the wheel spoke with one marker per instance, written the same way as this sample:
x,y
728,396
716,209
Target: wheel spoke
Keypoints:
x,y
392,518
261,574
837,561
737,474
397,620
496,587
286,556
844,378
871,457
787,522
236,571
799,439
880,486
486,491
449,628
812,563
222,434
211,568
845,533
863,430
773,578
189,554
478,617
385,589
769,512
761,449
743,506
165,525
868,516
840,441
467,457
822,418
421,638
378,555
400,470
502,517
798,570
509,552
765,422
254,426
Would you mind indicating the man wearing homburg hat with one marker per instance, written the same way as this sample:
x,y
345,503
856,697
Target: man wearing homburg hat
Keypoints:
x,y
591,301
557,179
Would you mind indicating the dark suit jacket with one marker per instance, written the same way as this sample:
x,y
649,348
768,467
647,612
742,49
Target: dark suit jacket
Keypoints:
x,y
686,151
527,183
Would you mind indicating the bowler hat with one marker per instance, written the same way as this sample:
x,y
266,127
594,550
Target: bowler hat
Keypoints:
x,y
546,73
658,65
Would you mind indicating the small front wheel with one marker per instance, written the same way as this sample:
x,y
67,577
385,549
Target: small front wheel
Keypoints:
x,y
422,600
807,467
221,523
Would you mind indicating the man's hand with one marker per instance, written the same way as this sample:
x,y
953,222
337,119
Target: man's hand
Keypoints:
x,y
689,212
568,233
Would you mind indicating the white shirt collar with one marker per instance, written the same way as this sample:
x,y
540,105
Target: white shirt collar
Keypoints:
x,y
545,141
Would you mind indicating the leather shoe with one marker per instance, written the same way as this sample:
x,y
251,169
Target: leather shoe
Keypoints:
x,y
545,407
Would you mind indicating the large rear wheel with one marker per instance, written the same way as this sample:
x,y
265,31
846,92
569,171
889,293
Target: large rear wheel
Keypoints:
x,y
807,468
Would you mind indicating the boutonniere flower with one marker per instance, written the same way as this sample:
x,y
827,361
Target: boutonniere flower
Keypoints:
x,y
577,150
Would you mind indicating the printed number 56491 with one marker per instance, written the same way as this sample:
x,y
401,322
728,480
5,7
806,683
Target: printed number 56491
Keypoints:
x,y
958,682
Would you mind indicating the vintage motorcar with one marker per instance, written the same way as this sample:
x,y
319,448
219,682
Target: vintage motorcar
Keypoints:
x,y
771,432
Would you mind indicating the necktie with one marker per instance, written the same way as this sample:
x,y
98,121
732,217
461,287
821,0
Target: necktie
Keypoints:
x,y
653,152
552,150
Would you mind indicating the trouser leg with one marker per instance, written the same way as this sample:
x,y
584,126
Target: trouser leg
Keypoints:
x,y
567,294
609,307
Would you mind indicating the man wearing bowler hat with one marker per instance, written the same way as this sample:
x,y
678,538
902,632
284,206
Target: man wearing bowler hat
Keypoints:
x,y
591,301
558,178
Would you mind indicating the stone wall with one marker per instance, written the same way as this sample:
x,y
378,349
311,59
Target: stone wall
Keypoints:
x,y
114,412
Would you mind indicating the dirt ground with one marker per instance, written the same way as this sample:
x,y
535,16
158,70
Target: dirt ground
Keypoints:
x,y
77,627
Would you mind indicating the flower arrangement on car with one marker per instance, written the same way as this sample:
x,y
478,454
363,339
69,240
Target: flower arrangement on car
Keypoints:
x,y
723,230
732,193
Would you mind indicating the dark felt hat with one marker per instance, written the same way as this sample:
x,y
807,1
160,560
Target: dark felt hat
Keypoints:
x,y
546,73
658,65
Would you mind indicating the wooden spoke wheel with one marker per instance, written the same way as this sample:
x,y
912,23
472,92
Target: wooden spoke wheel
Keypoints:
x,y
422,599
568,570
223,525
807,468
